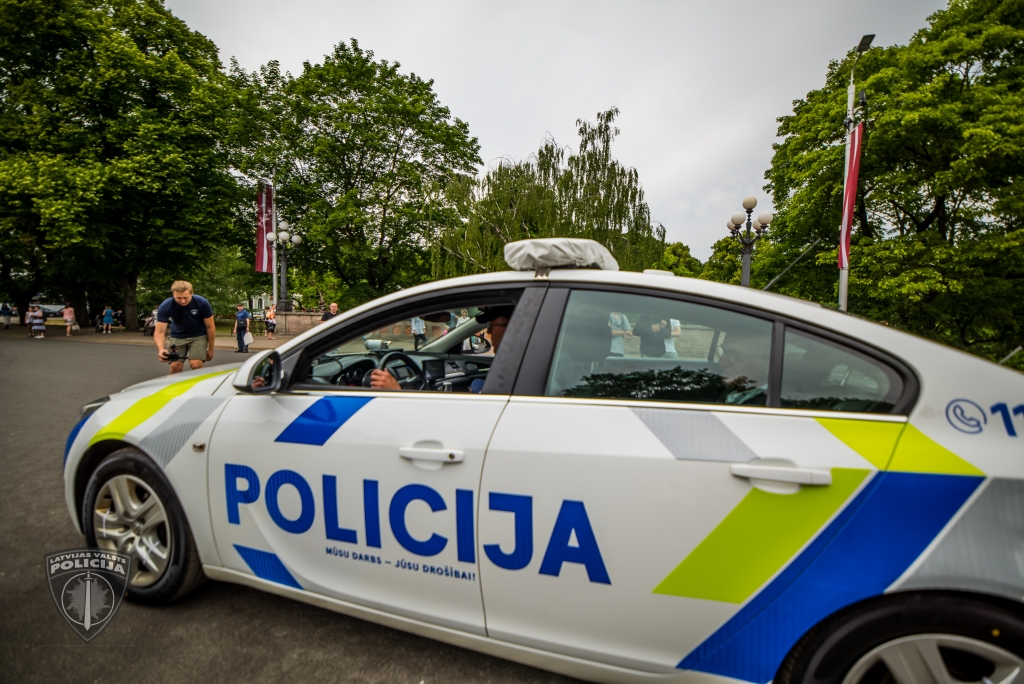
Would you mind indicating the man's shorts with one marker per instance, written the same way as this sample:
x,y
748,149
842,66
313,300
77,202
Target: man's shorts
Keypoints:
x,y
189,347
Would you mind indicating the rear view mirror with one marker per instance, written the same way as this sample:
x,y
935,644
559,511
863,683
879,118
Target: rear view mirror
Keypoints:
x,y
264,376
437,317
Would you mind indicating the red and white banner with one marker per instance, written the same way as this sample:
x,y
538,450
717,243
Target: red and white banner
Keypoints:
x,y
264,225
850,194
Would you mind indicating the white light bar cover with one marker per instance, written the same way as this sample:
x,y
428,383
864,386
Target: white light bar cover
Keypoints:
x,y
528,255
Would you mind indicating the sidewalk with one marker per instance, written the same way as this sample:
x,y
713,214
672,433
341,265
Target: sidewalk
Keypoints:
x,y
89,335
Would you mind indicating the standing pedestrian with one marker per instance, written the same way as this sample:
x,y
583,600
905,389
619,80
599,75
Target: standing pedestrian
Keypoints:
x,y
38,322
242,319
191,320
108,318
69,317
621,331
670,341
5,315
271,321
419,330
330,313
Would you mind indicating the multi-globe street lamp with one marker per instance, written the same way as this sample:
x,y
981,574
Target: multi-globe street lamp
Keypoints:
x,y
280,241
755,229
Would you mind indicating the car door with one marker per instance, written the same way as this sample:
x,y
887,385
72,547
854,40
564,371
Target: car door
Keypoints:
x,y
636,505
364,496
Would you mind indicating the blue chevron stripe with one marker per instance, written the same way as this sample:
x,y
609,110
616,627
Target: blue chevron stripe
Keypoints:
x,y
267,566
321,420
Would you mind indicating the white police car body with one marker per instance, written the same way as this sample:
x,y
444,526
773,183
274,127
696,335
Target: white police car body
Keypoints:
x,y
662,478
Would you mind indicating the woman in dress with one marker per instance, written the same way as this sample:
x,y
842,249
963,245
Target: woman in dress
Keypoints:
x,y
69,317
108,318
38,322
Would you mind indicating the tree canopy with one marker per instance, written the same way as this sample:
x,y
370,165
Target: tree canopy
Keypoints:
x,y
555,193
940,216
363,154
111,157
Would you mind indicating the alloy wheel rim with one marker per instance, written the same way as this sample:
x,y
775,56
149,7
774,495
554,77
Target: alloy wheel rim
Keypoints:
x,y
129,517
936,659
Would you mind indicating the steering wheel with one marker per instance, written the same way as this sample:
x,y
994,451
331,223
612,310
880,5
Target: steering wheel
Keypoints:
x,y
416,381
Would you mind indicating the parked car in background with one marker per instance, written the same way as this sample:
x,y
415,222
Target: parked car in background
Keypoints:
x,y
52,310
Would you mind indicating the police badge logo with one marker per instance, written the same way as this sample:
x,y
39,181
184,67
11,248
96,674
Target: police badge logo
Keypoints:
x,y
88,586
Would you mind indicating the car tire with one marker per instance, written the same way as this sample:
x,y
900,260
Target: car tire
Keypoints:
x,y
909,637
130,506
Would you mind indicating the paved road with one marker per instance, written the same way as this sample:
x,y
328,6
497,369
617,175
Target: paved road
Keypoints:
x,y
220,632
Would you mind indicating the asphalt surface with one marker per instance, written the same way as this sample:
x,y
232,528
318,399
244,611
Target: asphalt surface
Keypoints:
x,y
220,632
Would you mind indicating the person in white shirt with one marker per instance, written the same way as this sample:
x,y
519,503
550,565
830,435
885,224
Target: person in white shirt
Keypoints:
x,y
670,342
621,331
418,331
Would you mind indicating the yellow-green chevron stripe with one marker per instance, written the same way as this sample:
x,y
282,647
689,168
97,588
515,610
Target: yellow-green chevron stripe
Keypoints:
x,y
756,539
873,440
146,408
919,453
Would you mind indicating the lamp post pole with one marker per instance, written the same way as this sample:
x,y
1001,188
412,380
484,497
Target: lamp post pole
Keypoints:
x,y
755,228
273,224
844,269
280,240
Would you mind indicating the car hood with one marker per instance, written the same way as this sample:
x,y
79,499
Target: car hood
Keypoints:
x,y
165,380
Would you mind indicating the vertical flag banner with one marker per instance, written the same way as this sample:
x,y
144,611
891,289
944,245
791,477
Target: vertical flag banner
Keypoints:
x,y
850,195
264,225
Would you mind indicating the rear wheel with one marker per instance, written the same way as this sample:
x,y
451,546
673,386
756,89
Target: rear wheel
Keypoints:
x,y
926,638
129,506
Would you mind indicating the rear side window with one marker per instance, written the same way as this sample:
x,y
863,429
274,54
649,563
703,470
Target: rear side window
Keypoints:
x,y
821,375
614,345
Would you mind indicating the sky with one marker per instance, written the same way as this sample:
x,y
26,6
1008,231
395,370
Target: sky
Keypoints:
x,y
699,84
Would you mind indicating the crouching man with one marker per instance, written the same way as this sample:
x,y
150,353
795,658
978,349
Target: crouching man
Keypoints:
x,y
192,330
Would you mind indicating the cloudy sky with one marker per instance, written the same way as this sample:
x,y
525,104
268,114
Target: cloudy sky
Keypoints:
x,y
699,83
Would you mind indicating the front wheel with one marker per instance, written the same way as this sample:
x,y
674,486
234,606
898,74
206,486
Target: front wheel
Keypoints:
x,y
129,506
925,638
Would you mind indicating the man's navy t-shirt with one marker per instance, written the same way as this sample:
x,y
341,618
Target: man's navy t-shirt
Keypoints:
x,y
186,321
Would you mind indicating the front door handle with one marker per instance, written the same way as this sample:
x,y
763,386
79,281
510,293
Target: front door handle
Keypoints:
x,y
434,455
774,473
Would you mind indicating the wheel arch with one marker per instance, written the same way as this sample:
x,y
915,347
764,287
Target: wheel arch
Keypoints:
x,y
87,465
849,615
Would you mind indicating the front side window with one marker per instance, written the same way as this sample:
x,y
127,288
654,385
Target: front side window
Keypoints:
x,y
625,346
437,348
821,375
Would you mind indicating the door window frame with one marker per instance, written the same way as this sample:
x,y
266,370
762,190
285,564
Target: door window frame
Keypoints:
x,y
533,372
527,296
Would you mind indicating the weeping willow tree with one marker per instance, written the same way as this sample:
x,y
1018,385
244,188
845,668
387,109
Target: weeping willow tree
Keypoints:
x,y
554,193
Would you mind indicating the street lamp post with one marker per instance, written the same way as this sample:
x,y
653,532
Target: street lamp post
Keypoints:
x,y
755,229
281,240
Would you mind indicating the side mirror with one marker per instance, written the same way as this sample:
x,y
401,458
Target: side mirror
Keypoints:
x,y
479,345
261,376
376,345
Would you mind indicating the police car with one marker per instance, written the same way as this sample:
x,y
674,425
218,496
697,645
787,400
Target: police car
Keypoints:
x,y
615,476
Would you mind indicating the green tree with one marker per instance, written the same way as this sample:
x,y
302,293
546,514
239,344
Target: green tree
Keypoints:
x,y
677,258
111,157
363,154
941,209
587,194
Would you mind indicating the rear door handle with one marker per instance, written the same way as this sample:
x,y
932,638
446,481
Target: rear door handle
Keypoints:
x,y
436,455
804,476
